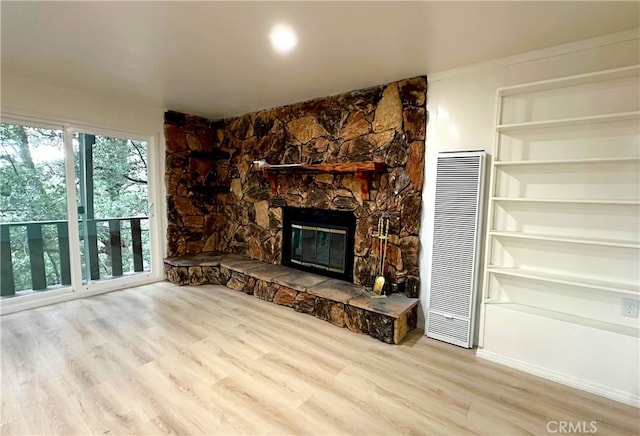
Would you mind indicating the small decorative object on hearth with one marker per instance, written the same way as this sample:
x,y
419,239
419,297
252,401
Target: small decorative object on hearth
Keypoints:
x,y
412,286
382,235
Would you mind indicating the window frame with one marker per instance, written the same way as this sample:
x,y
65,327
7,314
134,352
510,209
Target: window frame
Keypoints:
x,y
78,289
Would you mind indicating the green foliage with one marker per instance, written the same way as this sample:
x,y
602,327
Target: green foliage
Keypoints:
x,y
120,177
32,188
31,174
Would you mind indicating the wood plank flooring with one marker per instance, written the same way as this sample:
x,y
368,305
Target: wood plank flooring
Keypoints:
x,y
163,359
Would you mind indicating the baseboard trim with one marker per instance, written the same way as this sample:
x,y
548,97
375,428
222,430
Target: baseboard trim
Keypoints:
x,y
46,298
584,385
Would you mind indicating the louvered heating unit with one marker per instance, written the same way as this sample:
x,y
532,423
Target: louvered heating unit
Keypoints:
x,y
455,263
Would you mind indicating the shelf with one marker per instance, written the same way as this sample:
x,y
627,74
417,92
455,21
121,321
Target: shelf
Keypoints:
x,y
568,201
589,161
577,80
593,119
362,171
565,317
571,240
599,285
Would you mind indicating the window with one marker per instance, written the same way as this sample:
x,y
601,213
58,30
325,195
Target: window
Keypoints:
x,y
106,178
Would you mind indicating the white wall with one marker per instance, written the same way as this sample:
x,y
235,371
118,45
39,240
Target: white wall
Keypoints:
x,y
461,108
45,102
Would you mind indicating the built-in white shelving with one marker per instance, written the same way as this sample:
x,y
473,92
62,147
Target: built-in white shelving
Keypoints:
x,y
565,317
575,121
567,200
582,282
563,234
628,72
588,161
571,240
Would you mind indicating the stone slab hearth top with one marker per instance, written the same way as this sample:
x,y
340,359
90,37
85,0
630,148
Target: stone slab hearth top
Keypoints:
x,y
331,289
204,259
336,290
240,264
394,305
299,280
268,272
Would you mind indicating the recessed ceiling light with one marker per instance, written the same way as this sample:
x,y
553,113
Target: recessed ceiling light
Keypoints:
x,y
283,38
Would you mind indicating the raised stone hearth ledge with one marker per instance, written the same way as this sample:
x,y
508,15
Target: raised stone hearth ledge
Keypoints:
x,y
335,301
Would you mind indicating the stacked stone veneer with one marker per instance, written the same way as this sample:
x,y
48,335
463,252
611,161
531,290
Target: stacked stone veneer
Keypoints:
x,y
384,123
334,301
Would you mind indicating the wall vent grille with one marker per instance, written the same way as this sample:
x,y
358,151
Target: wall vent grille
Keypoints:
x,y
456,247
446,328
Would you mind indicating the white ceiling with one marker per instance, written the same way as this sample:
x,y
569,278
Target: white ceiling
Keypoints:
x,y
213,58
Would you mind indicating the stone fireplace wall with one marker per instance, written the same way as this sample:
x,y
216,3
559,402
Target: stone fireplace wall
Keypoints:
x,y
219,203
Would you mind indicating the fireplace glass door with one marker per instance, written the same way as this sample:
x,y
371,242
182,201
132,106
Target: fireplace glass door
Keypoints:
x,y
319,241
319,247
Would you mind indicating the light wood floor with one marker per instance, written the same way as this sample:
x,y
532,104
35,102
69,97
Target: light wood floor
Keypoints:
x,y
209,360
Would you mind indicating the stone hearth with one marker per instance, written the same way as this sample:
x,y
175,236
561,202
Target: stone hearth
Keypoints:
x,y
331,300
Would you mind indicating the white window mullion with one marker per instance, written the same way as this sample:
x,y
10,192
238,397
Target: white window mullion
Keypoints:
x,y
72,211
155,178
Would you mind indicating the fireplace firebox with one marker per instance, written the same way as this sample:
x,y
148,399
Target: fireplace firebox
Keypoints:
x,y
319,241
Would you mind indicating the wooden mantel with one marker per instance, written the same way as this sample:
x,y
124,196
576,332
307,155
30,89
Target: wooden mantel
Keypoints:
x,y
361,170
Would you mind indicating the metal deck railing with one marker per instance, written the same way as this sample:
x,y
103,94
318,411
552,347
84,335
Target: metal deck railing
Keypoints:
x,y
36,250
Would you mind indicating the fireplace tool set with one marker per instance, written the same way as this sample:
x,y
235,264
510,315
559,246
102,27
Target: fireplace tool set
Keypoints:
x,y
382,235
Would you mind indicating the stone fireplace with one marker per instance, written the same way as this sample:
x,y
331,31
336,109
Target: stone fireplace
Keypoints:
x,y
218,202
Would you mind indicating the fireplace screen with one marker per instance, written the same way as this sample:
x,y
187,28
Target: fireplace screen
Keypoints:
x,y
319,247
319,241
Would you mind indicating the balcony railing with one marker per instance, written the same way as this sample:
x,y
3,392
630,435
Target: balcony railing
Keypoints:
x,y
36,250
